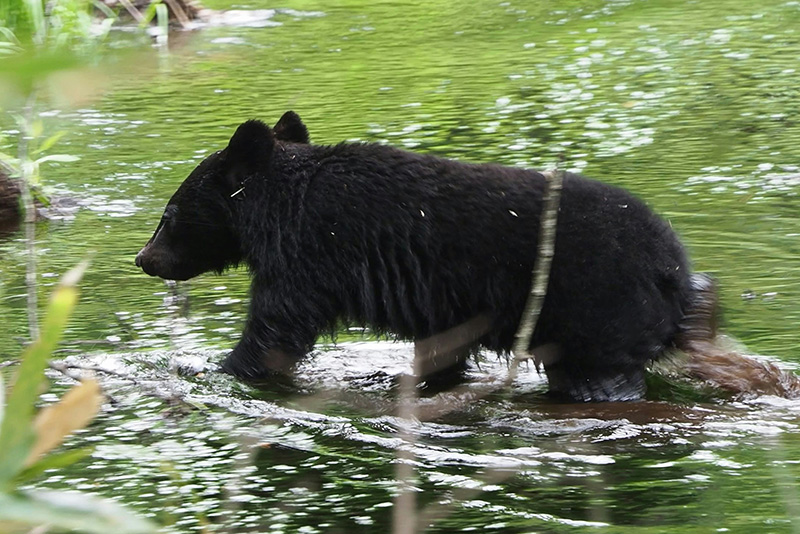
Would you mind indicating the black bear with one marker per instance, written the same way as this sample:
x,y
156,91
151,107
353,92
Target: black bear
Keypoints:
x,y
416,245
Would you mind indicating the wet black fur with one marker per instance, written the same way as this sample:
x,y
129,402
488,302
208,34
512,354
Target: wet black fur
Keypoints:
x,y
414,245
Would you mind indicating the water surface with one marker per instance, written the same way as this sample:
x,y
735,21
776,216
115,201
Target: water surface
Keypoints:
x,y
691,105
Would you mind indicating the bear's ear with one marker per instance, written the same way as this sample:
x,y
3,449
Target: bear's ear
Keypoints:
x,y
291,128
251,146
248,153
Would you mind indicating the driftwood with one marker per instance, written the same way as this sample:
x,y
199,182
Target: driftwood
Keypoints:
x,y
181,12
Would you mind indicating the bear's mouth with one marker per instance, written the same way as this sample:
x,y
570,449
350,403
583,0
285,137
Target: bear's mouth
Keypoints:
x,y
142,261
155,263
147,261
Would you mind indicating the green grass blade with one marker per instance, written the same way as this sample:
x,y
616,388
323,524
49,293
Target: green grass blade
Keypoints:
x,y
104,9
52,461
49,142
37,20
16,431
149,14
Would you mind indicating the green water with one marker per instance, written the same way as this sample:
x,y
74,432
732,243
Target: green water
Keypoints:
x,y
692,105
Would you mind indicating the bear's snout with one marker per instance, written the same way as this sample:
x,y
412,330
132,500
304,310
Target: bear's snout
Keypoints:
x,y
155,261
145,261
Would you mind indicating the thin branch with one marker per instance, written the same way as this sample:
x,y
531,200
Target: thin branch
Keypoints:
x,y
131,9
76,372
30,215
404,511
65,368
180,14
541,269
406,520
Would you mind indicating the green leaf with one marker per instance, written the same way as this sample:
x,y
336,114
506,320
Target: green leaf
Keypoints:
x,y
71,511
36,16
52,461
16,430
162,14
9,35
149,13
17,439
8,48
61,158
40,196
36,128
49,142
9,160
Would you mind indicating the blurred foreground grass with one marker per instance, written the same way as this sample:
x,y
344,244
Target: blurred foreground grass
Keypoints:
x,y
27,438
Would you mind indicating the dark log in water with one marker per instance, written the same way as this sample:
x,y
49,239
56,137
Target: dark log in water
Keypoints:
x,y
10,211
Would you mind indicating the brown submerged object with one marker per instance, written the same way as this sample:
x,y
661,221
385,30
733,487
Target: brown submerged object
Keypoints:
x,y
724,368
181,12
740,374
10,210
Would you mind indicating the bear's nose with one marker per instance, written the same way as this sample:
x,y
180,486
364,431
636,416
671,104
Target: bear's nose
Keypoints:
x,y
138,260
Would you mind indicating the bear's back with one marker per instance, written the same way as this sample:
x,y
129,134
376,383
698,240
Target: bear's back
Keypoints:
x,y
414,244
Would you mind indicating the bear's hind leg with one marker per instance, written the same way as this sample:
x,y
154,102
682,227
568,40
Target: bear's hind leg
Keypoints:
x,y
440,361
580,383
440,370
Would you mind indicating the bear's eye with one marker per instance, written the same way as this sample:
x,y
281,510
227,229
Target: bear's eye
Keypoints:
x,y
169,213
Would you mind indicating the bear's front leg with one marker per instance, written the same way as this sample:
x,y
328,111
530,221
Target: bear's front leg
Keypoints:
x,y
253,359
278,333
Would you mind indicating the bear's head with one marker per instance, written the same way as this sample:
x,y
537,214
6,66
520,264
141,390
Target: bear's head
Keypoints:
x,y
197,231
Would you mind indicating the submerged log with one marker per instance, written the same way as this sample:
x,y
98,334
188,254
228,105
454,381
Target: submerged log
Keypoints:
x,y
10,210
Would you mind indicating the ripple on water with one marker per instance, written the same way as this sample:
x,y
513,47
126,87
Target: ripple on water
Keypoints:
x,y
237,451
